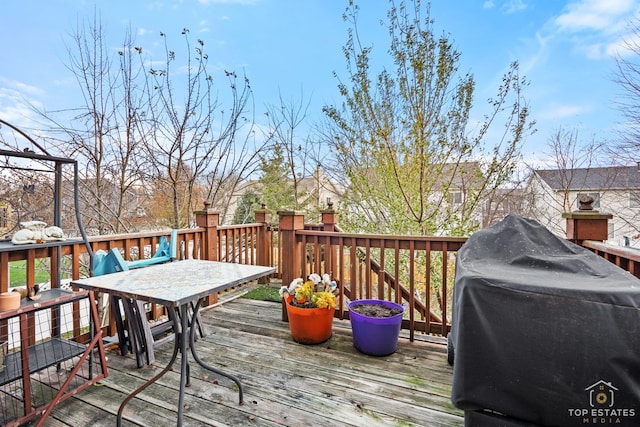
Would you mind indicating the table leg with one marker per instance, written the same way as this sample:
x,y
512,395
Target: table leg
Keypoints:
x,y
176,347
184,340
184,368
192,335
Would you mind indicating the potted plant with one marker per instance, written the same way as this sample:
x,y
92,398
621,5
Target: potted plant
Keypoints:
x,y
375,325
310,306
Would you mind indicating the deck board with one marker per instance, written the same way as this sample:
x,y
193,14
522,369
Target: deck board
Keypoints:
x,y
285,383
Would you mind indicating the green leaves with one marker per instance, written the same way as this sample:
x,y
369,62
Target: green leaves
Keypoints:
x,y
403,136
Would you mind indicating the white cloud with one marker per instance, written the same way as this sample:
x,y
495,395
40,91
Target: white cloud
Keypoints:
x,y
204,26
625,46
27,89
540,55
143,31
17,101
488,4
600,15
596,28
513,6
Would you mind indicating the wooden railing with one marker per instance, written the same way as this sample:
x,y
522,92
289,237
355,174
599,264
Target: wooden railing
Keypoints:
x,y
625,258
245,244
416,271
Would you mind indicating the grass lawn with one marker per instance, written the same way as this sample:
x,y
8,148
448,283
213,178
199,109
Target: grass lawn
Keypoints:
x,y
264,293
18,274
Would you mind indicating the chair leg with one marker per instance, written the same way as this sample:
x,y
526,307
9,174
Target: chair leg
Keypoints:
x,y
123,341
146,336
135,335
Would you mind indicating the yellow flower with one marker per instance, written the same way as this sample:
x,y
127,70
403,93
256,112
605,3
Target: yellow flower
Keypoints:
x,y
318,291
324,300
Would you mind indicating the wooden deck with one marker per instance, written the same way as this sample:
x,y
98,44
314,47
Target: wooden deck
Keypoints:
x,y
285,383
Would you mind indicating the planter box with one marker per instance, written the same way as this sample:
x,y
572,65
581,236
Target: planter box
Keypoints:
x,y
310,325
375,336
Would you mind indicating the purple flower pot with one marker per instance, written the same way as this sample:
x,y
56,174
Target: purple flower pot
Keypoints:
x,y
375,336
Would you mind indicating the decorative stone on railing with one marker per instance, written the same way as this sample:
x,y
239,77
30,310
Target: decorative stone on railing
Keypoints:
x,y
37,232
585,202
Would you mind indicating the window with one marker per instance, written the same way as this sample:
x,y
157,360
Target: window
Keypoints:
x,y
456,197
596,199
634,199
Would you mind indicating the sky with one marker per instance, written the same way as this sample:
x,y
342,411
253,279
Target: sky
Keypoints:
x,y
292,48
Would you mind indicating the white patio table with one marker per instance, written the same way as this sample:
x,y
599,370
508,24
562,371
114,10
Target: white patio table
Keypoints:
x,y
175,285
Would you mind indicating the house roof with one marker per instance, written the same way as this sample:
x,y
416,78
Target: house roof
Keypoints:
x,y
609,178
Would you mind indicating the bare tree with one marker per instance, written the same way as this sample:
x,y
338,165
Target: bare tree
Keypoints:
x,y
191,134
568,155
286,120
146,131
570,162
101,134
627,76
298,155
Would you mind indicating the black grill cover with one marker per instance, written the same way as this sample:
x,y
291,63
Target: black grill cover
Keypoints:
x,y
544,331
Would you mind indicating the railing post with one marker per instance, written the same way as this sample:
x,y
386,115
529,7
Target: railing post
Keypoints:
x,y
587,224
290,221
263,253
329,218
4,272
329,221
209,219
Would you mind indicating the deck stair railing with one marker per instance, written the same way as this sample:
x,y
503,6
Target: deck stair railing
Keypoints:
x,y
392,283
416,271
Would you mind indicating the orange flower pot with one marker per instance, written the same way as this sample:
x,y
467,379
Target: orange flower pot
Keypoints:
x,y
310,325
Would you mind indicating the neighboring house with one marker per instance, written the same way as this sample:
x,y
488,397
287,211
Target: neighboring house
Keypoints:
x,y
503,202
616,191
234,199
454,198
469,199
462,181
318,190
313,191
